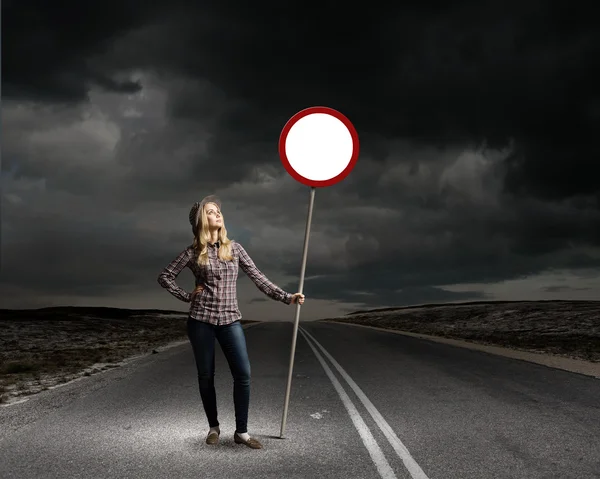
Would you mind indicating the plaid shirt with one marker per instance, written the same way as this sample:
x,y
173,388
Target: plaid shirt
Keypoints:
x,y
217,303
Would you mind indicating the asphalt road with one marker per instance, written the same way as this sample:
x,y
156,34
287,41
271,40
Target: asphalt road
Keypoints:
x,y
388,406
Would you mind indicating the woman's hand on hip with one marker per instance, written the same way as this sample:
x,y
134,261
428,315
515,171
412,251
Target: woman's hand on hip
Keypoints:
x,y
297,298
197,290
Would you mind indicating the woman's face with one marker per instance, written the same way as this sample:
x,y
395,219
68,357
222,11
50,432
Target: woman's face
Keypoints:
x,y
213,215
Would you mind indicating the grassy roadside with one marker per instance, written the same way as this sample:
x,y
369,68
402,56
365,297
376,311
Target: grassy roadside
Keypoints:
x,y
42,348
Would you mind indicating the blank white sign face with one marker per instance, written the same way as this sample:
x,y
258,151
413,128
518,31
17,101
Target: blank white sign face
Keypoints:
x,y
319,147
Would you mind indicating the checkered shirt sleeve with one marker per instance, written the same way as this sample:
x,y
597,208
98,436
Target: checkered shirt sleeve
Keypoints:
x,y
259,279
167,277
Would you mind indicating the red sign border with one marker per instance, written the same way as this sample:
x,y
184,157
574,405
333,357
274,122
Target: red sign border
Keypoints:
x,y
309,111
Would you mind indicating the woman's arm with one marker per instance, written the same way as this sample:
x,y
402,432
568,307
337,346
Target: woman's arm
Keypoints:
x,y
259,279
167,277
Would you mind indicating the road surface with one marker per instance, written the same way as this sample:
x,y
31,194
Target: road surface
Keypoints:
x,y
389,406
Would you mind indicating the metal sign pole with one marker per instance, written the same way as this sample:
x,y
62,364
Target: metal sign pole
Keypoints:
x,y
297,320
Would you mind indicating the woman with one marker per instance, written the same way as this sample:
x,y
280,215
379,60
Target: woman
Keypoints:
x,y
214,260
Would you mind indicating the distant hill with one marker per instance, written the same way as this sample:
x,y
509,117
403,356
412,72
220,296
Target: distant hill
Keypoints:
x,y
78,311
472,303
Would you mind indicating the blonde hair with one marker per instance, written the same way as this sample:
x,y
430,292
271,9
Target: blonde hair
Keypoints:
x,y
203,237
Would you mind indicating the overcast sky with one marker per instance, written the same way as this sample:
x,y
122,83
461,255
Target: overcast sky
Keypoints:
x,y
478,176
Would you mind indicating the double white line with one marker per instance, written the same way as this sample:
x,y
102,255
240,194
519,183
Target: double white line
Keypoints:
x,y
383,466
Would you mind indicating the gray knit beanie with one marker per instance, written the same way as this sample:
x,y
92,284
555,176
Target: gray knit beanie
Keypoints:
x,y
197,209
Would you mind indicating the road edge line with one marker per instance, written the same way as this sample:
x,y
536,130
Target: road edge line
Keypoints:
x,y
578,366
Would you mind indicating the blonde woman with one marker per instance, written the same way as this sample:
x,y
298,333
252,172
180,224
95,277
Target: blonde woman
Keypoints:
x,y
214,260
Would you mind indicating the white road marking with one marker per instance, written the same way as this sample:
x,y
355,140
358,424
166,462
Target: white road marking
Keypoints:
x,y
381,463
411,465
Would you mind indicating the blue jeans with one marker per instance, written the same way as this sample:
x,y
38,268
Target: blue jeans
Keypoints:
x,y
233,344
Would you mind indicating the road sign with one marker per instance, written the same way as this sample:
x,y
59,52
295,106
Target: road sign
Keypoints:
x,y
318,147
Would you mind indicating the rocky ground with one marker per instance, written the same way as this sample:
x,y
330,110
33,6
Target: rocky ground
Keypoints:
x,y
40,349
569,329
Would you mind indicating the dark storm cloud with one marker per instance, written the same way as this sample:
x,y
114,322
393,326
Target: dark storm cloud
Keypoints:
x,y
420,81
481,71
48,46
399,260
58,254
426,70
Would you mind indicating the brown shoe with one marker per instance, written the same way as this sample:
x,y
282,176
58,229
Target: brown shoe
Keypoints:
x,y
212,438
253,443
